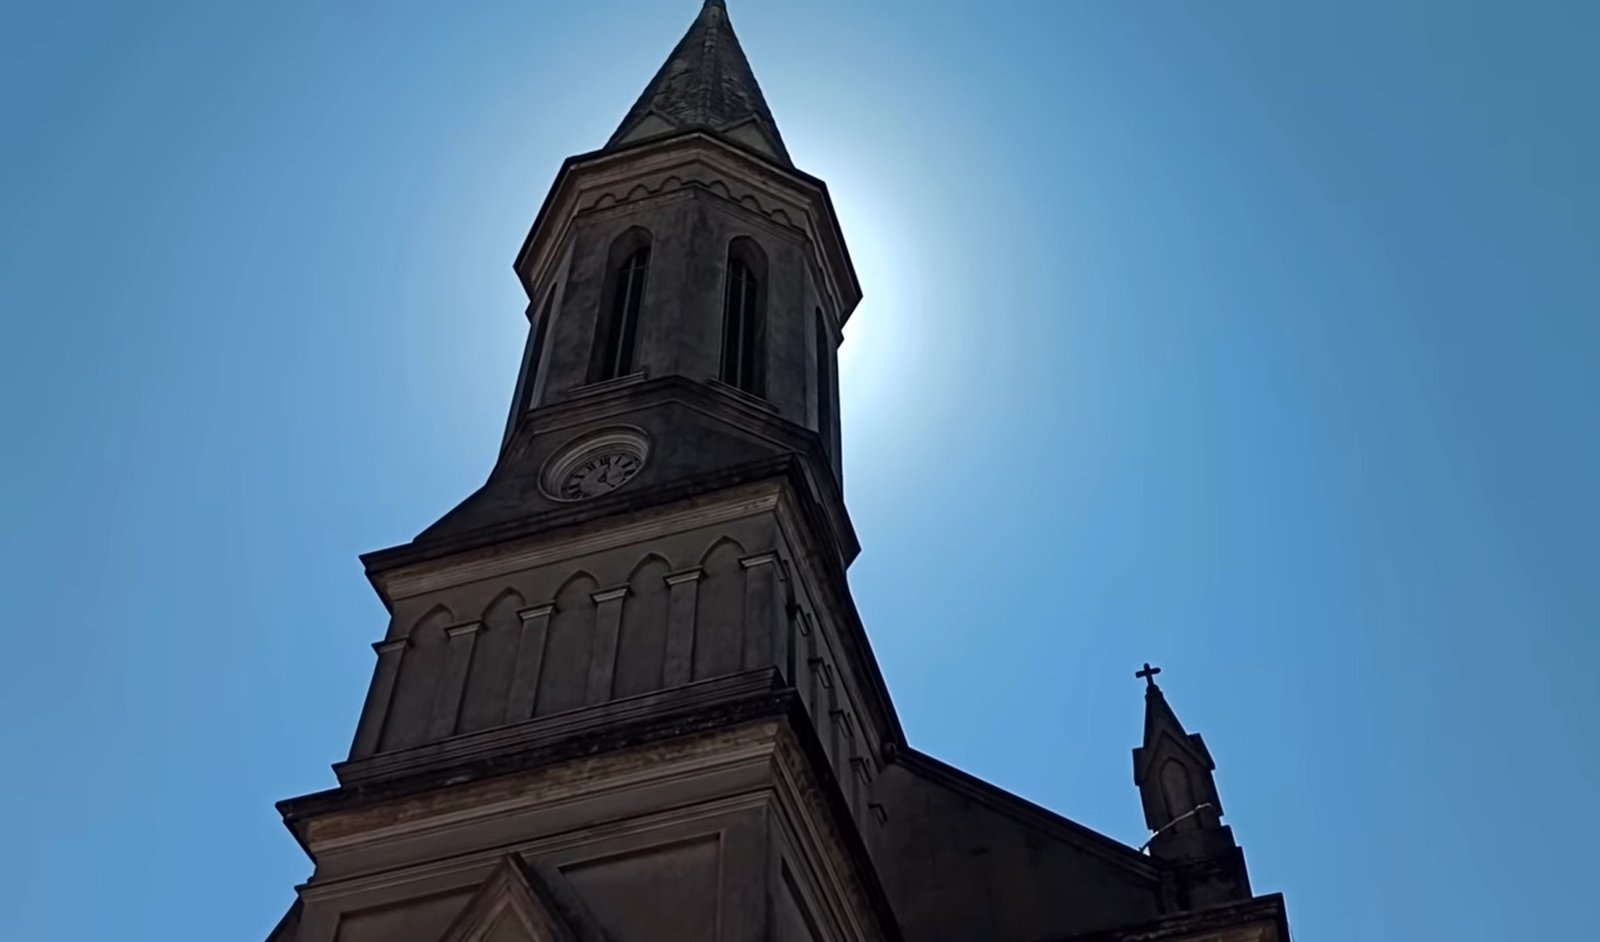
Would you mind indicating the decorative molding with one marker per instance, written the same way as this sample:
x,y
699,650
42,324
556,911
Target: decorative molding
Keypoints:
x,y
762,559
576,778
689,156
749,399
606,385
503,559
607,197
562,849
528,735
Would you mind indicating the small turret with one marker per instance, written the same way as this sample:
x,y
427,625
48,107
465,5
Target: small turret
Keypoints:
x,y
1173,771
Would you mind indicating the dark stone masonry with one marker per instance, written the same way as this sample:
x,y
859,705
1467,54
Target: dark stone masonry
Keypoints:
x,y
624,693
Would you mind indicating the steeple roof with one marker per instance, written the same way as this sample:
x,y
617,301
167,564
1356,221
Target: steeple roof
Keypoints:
x,y
706,83
1160,722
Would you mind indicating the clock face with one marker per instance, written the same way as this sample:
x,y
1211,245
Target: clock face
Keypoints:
x,y
595,464
600,473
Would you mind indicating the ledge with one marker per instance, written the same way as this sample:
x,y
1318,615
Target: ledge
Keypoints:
x,y
531,736
1200,922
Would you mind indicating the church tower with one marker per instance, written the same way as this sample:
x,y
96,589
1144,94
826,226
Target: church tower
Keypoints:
x,y
624,693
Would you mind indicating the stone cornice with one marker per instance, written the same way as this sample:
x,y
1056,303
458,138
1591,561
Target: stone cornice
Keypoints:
x,y
703,707
805,466
677,155
414,569
466,768
763,739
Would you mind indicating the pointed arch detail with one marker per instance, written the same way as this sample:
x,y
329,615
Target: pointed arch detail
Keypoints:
x,y
622,305
564,674
410,717
494,656
642,640
440,614
719,614
744,317
723,543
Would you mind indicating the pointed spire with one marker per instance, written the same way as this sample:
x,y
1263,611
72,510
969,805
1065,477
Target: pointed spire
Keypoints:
x,y
1173,771
1160,720
706,83
1173,766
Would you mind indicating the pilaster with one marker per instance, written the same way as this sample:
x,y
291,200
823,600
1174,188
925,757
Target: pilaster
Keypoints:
x,y
376,710
453,681
607,625
530,660
683,589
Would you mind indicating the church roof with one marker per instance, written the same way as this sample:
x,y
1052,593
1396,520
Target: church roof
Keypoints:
x,y
706,83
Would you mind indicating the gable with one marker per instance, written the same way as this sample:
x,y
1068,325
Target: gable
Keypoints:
x,y
650,125
1163,745
517,904
750,134
963,859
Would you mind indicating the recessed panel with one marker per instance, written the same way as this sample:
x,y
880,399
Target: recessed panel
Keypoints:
x,y
658,894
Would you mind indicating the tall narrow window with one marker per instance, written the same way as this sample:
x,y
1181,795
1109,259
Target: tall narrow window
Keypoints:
x,y
824,382
615,355
624,325
742,313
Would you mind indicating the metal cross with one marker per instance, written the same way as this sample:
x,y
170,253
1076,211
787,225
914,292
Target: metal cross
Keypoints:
x,y
1148,675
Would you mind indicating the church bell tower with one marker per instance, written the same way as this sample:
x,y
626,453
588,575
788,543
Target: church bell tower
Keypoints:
x,y
624,694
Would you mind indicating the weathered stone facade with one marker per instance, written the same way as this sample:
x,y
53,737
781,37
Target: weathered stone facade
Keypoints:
x,y
625,694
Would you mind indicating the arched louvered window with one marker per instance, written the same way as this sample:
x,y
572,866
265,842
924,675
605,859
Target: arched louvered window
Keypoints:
x,y
615,355
743,318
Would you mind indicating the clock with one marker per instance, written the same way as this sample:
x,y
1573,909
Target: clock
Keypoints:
x,y
599,473
595,464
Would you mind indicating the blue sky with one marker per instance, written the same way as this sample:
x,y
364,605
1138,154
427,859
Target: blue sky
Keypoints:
x,y
1257,339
